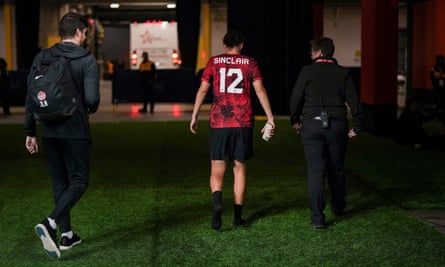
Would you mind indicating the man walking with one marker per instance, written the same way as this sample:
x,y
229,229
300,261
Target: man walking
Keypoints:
x,y
318,108
67,144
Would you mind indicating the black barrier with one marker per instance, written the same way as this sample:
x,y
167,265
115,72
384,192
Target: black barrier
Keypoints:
x,y
171,86
126,86
17,94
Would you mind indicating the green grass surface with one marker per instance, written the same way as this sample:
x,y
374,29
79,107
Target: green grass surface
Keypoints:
x,y
148,203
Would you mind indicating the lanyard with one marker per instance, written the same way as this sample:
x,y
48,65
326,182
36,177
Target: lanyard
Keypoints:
x,y
322,60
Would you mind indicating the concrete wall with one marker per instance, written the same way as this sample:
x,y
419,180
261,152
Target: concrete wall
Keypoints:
x,y
218,28
343,25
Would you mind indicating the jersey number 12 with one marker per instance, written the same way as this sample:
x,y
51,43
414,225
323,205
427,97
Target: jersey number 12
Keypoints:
x,y
234,87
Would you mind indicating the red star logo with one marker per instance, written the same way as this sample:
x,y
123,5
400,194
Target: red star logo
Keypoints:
x,y
146,37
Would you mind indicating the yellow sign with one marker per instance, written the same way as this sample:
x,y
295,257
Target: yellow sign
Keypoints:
x,y
52,40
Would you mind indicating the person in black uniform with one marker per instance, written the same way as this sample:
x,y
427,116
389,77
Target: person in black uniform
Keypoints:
x,y
147,70
67,145
318,109
5,86
409,130
409,126
437,76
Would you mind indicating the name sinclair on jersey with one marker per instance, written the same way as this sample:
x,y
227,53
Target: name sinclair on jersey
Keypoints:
x,y
231,60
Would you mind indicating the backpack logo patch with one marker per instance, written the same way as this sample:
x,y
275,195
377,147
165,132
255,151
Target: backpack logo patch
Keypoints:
x,y
41,96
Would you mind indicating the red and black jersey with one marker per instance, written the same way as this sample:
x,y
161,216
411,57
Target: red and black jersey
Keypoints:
x,y
231,77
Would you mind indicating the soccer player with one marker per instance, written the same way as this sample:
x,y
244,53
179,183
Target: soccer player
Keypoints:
x,y
231,119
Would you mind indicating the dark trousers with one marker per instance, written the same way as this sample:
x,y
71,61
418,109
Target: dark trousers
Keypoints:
x,y
4,98
439,101
68,163
325,152
149,96
439,96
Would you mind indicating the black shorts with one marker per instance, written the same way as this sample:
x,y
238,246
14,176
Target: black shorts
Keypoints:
x,y
231,144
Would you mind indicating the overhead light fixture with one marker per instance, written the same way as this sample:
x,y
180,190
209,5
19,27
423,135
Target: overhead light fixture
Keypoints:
x,y
114,5
171,6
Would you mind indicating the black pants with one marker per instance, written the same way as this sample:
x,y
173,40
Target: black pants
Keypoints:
x,y
4,98
325,152
439,96
149,96
68,162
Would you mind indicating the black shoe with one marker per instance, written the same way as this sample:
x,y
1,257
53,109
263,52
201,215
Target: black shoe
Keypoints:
x,y
318,226
48,237
216,217
68,243
143,110
237,218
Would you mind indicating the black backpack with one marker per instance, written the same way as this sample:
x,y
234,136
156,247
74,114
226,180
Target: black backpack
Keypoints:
x,y
52,88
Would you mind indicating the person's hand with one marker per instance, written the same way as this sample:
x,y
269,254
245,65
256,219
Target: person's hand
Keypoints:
x,y
297,127
194,126
351,133
31,144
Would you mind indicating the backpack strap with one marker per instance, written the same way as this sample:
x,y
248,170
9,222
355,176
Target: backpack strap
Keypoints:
x,y
53,52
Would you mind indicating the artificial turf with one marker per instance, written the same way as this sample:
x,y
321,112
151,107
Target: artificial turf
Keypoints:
x,y
148,203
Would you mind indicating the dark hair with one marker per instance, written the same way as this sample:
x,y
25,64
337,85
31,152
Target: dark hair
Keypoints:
x,y
233,38
440,58
325,44
70,22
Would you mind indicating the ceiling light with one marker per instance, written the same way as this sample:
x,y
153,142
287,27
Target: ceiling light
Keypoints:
x,y
171,5
114,5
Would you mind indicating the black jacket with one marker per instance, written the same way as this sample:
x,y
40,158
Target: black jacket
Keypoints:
x,y
85,72
325,83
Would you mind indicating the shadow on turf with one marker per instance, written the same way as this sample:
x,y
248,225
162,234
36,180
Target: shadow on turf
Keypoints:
x,y
148,231
357,205
267,210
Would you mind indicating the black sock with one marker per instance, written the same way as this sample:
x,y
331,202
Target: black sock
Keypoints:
x,y
217,210
237,212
